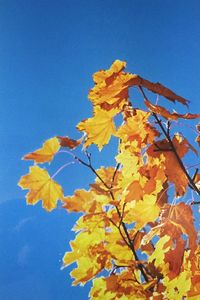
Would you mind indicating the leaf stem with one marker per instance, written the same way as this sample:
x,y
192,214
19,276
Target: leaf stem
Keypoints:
x,y
61,168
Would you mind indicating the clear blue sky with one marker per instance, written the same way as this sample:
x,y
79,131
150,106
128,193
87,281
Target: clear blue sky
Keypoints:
x,y
48,52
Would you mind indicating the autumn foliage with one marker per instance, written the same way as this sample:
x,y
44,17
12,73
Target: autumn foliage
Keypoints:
x,y
136,237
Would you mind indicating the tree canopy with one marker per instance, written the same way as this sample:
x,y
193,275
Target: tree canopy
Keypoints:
x,y
136,236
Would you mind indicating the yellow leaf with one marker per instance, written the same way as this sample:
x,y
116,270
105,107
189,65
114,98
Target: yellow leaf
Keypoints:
x,y
142,211
115,68
111,87
99,290
99,128
137,128
89,254
131,164
85,201
158,255
119,251
41,187
46,153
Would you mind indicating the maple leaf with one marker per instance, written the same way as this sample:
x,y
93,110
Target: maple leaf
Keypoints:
x,y
131,163
110,74
85,201
157,257
181,216
158,88
177,288
46,153
116,246
89,253
162,148
150,211
120,286
98,128
111,88
65,141
168,115
138,129
174,257
41,187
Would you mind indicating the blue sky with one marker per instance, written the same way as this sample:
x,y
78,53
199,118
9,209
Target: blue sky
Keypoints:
x,y
49,51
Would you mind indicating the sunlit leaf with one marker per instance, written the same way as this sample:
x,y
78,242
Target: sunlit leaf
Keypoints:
x,y
98,128
46,153
168,115
41,187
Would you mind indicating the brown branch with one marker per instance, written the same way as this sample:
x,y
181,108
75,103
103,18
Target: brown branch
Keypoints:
x,y
195,202
128,241
122,214
195,174
173,149
114,174
131,246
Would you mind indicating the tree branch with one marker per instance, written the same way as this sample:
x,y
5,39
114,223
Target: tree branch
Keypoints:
x,y
128,242
173,149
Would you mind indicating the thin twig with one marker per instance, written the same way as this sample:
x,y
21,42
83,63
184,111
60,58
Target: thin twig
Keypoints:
x,y
61,168
195,202
128,241
195,174
114,174
122,214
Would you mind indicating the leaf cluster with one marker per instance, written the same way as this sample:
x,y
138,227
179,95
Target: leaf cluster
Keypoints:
x,y
135,238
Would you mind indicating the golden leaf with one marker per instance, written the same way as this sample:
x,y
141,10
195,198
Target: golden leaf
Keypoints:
x,y
46,153
89,253
98,128
85,201
111,88
150,211
41,187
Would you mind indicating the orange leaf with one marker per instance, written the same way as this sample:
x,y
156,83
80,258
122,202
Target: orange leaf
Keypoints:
x,y
172,167
46,153
65,141
174,257
135,191
41,187
181,216
158,89
166,114
112,86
